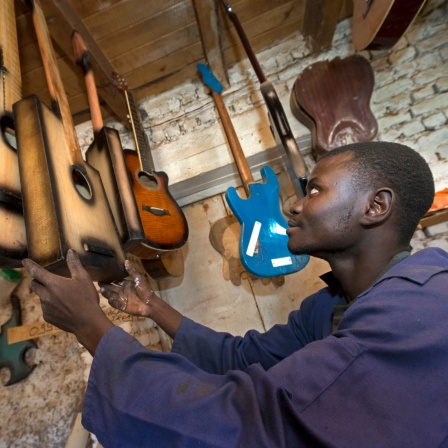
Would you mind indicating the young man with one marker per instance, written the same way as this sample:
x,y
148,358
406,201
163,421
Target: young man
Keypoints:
x,y
363,363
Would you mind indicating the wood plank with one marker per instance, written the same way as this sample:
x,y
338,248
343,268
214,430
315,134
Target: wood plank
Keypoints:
x,y
319,23
147,32
207,20
159,48
263,31
130,14
164,67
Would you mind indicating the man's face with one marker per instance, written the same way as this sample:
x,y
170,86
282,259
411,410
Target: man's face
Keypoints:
x,y
326,220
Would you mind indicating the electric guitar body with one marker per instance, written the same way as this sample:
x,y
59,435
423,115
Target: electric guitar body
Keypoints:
x,y
164,223
65,205
263,242
13,244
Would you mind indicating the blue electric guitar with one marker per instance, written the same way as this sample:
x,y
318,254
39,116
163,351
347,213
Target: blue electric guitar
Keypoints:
x,y
263,243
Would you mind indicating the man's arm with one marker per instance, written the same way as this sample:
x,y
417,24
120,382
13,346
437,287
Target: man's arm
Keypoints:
x,y
71,304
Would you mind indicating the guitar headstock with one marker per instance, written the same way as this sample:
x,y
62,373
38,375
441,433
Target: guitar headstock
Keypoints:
x,y
209,78
120,81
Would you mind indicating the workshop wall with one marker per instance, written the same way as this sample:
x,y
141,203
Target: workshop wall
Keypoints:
x,y
410,102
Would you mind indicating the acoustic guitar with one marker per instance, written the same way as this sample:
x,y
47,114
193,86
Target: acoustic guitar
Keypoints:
x,y
106,155
379,24
64,202
291,155
13,244
264,243
164,222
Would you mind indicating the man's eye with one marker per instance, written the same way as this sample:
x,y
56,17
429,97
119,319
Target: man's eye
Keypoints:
x,y
313,190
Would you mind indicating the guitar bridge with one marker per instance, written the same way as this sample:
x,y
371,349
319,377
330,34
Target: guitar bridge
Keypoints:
x,y
156,210
100,250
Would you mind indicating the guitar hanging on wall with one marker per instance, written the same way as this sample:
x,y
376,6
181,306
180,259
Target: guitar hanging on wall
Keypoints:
x,y
164,222
263,242
64,202
379,24
106,155
13,244
291,155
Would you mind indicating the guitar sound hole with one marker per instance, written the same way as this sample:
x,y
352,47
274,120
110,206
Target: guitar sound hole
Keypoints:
x,y
147,180
81,184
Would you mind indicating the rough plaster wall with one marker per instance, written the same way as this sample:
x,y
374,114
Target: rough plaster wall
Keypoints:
x,y
410,101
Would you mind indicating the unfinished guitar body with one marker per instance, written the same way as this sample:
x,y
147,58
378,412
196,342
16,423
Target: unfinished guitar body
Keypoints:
x,y
13,245
106,155
65,206
332,98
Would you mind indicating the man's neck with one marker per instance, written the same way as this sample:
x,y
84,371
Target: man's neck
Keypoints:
x,y
357,275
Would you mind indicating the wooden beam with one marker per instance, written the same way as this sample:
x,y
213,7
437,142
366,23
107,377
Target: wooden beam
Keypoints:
x,y
319,23
207,19
60,31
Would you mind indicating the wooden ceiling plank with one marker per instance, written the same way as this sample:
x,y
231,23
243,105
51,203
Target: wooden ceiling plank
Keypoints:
x,y
157,49
131,13
207,18
147,32
319,23
100,64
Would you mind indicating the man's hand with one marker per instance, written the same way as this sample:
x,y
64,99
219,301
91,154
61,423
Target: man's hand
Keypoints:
x,y
136,297
72,304
133,296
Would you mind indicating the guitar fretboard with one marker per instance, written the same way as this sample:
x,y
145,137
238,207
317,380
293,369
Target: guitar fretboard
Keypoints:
x,y
11,87
141,142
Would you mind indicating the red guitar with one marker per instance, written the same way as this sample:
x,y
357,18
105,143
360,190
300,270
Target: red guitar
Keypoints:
x,y
379,24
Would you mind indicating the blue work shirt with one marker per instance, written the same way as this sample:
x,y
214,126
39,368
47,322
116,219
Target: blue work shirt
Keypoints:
x,y
380,380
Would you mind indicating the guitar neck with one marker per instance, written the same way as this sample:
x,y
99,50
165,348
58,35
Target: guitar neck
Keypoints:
x,y
240,160
82,59
54,81
141,142
11,89
245,41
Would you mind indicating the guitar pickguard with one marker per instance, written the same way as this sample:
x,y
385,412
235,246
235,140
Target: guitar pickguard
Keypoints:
x,y
264,243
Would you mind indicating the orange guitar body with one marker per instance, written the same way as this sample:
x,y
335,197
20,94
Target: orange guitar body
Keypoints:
x,y
163,222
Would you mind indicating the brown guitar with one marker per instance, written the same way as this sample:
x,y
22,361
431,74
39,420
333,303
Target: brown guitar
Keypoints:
x,y
379,24
13,244
332,98
106,155
64,202
164,222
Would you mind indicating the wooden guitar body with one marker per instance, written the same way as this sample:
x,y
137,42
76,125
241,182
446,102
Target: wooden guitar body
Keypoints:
x,y
163,221
263,243
65,205
106,155
379,24
332,98
13,244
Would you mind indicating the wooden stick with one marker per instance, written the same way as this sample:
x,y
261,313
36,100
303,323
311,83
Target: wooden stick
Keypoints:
x,y
42,328
82,59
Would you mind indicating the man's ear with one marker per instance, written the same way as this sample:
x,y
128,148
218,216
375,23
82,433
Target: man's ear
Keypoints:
x,y
379,207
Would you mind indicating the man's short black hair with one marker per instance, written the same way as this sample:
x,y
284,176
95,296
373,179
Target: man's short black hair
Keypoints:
x,y
399,167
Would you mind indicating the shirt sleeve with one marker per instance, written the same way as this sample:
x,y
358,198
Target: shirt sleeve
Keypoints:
x,y
139,397
218,352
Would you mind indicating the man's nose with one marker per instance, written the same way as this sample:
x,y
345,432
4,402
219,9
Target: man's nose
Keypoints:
x,y
297,207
